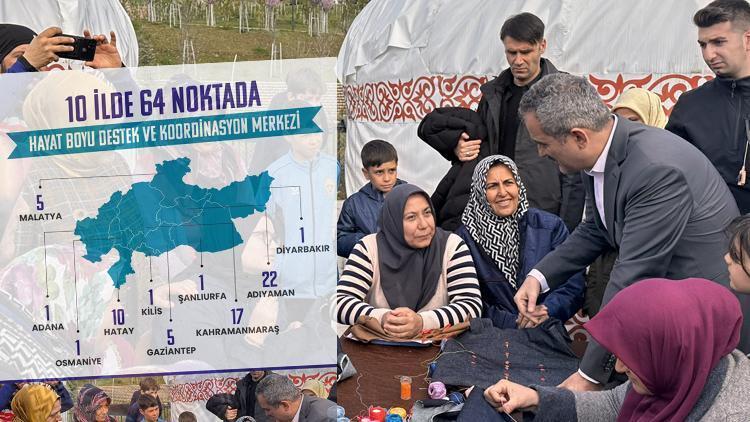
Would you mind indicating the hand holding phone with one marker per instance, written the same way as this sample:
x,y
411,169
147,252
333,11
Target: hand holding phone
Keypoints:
x,y
46,47
84,49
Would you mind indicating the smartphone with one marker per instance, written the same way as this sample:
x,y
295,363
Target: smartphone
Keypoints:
x,y
83,49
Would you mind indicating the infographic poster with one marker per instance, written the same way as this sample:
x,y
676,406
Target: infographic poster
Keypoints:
x,y
167,220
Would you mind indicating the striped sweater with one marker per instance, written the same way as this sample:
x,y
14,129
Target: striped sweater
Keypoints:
x,y
456,299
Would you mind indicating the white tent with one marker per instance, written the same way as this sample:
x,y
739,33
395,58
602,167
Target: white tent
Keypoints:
x,y
73,16
403,58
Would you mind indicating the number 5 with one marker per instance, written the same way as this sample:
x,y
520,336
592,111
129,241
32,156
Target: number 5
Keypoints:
x,y
39,203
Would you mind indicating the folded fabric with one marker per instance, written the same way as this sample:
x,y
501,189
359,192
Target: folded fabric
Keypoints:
x,y
447,412
477,408
368,329
485,354
219,403
344,366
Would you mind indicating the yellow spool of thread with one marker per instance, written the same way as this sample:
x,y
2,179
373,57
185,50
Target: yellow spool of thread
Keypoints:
x,y
398,411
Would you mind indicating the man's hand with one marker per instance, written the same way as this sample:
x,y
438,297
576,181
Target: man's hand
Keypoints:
x,y
526,297
576,382
231,414
44,47
541,314
467,149
506,396
107,55
402,323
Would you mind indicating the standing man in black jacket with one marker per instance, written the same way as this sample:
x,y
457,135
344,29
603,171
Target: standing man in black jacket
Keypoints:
x,y
245,395
548,189
715,117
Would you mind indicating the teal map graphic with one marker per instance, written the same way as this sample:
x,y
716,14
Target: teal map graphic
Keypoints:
x,y
158,216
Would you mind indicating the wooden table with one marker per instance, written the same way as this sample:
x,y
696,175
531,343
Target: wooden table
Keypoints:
x,y
377,370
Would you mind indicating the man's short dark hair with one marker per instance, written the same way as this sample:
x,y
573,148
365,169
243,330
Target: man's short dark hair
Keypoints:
x,y
147,384
187,417
735,11
524,27
146,401
377,152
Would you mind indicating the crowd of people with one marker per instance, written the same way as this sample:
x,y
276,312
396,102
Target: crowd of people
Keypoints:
x,y
505,235
260,395
39,402
553,203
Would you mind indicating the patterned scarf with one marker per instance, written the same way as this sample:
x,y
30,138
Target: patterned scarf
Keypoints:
x,y
498,236
90,399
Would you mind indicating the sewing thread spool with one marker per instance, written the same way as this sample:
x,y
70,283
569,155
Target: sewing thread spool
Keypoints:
x,y
398,411
436,390
405,388
456,397
394,418
377,414
340,412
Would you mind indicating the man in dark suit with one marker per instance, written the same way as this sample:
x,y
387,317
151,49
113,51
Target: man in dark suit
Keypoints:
x,y
649,194
284,402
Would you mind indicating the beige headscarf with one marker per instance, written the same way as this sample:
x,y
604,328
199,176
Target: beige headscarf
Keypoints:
x,y
33,403
317,387
645,104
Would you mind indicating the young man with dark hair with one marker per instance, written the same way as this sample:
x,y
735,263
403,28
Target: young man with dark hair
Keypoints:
x,y
147,386
523,39
149,408
714,116
359,214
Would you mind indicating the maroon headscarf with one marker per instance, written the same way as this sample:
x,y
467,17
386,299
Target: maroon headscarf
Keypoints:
x,y
671,334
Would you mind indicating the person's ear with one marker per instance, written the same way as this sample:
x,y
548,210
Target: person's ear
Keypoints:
x,y
365,173
543,45
746,40
580,137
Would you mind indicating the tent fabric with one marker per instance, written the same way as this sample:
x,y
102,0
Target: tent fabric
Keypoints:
x,y
73,16
401,59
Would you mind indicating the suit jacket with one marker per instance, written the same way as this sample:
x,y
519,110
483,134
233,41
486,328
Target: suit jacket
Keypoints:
x,y
316,409
666,208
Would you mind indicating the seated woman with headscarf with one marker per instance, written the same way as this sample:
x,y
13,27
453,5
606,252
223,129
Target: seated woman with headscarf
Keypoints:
x,y
507,239
36,403
410,275
92,405
675,341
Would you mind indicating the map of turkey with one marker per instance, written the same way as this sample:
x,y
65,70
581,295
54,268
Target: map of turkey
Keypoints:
x,y
157,216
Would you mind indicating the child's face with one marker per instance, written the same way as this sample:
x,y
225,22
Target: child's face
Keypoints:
x,y
739,279
151,414
152,393
382,177
306,147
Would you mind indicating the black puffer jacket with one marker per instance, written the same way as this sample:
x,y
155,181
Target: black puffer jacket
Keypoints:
x,y
441,129
546,187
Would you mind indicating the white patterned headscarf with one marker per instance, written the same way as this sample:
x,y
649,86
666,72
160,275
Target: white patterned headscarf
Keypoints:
x,y
497,236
